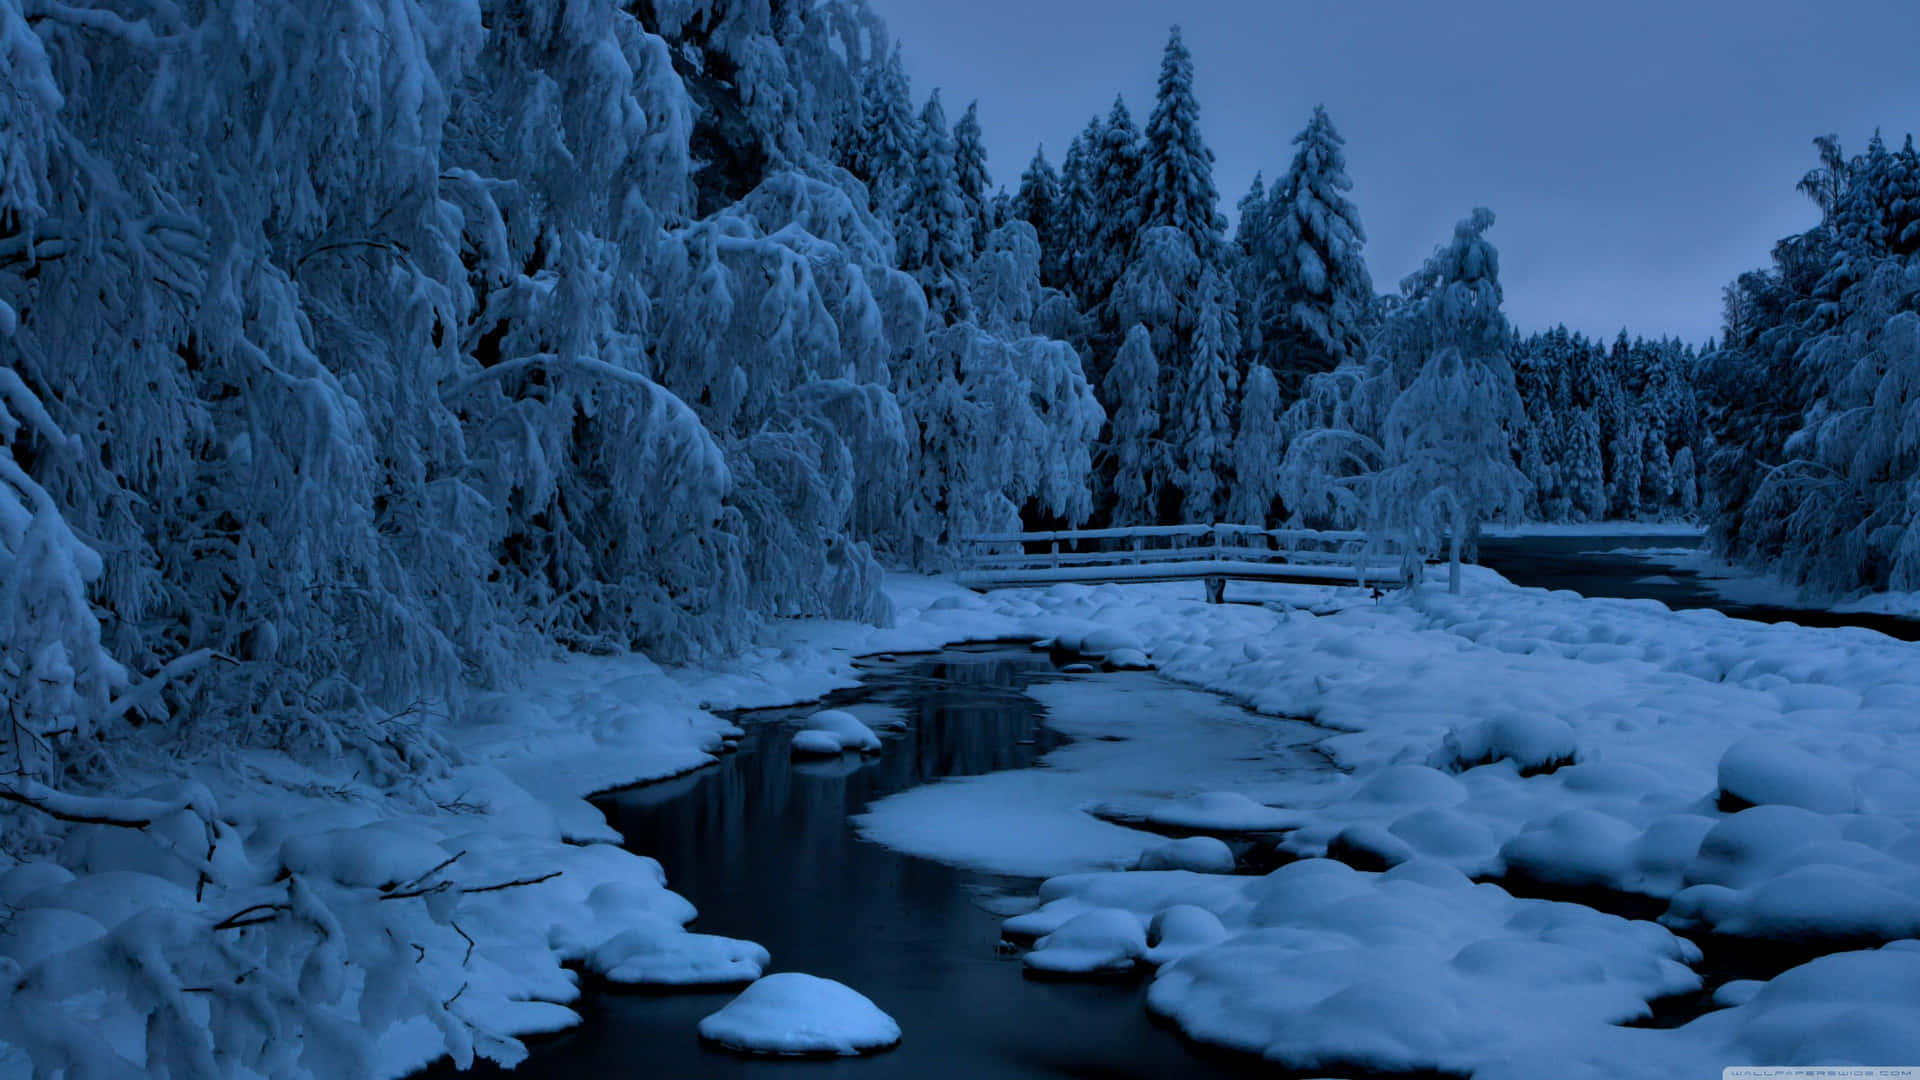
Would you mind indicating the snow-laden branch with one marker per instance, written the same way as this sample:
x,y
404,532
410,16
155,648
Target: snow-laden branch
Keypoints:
x,y
146,694
136,32
584,364
130,813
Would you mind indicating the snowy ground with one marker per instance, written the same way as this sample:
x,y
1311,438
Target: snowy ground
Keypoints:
x,y
1538,739
1508,734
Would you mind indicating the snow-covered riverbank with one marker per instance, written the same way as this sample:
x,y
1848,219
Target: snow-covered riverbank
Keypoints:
x,y
1506,732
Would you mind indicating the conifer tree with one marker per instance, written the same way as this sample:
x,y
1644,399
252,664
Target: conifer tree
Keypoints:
x,y
1073,228
970,175
1115,210
1245,261
933,232
883,145
1039,203
1179,190
1133,442
1258,445
1314,292
1201,435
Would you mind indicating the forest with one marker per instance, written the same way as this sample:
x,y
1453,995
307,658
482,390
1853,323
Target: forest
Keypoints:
x,y
504,329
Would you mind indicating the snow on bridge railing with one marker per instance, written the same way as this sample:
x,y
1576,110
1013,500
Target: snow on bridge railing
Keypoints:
x,y
1157,553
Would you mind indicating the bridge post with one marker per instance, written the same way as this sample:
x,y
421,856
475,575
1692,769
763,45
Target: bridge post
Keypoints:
x,y
1216,590
1056,553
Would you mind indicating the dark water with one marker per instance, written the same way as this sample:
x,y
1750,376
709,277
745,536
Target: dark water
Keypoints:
x,y
1584,564
762,845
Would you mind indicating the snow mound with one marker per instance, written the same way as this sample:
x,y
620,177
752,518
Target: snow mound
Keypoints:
x,y
812,743
1760,771
1221,811
1129,660
1411,784
846,727
1104,941
659,953
791,1013
1534,743
1847,1007
1202,854
1144,893
1578,848
1414,969
1369,847
379,854
1182,929
1105,643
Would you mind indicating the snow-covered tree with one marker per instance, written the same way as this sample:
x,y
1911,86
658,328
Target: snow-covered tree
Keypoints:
x,y
1038,203
1810,397
1116,212
1438,462
1258,445
1132,387
1686,486
1069,264
1200,429
882,147
970,176
934,229
1178,166
1313,288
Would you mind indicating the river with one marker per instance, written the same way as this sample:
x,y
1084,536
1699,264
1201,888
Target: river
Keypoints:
x,y
763,846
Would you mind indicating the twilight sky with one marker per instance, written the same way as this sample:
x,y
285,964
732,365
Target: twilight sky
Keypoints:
x,y
1638,154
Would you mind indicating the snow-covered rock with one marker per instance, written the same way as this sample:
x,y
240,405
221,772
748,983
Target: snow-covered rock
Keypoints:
x,y
1535,743
1181,929
791,1013
1221,811
658,952
844,726
1104,941
1763,770
811,743
1202,854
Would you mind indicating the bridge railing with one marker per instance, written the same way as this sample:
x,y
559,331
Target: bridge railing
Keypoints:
x,y
1163,552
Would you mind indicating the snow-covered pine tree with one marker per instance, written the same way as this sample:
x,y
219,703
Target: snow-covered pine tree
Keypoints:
x,y
1628,469
1656,475
1313,289
1073,257
1686,485
970,176
1258,446
1178,166
882,152
1115,215
1245,263
1132,385
1200,430
933,230
1587,482
1039,203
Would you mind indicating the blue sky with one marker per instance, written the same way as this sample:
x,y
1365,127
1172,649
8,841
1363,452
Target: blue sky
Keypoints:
x,y
1638,154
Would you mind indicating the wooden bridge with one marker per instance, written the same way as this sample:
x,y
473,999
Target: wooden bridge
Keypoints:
x,y
1210,553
